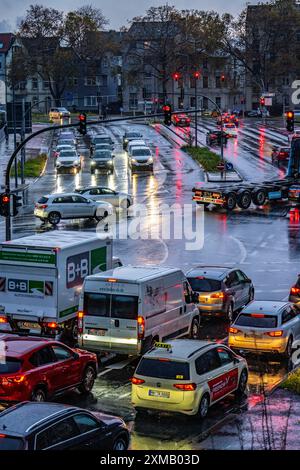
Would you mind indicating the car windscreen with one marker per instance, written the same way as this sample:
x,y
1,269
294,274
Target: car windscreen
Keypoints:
x,y
102,140
199,284
66,153
66,142
43,200
11,443
164,369
132,135
106,305
105,155
10,365
140,152
256,320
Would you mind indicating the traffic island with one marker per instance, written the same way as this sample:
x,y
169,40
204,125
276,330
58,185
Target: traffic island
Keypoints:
x,y
33,167
292,383
216,170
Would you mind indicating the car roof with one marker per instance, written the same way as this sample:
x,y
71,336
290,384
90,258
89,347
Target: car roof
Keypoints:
x,y
267,307
26,416
182,349
137,141
140,147
214,272
60,195
17,346
88,188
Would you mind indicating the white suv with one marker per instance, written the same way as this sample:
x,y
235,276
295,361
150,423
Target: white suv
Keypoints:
x,y
187,377
53,208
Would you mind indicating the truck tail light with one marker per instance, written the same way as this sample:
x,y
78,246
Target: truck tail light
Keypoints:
x,y
80,322
3,320
233,330
218,295
295,290
186,387
274,334
141,327
136,381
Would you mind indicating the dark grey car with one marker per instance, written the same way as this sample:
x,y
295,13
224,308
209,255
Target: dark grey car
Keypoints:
x,y
221,291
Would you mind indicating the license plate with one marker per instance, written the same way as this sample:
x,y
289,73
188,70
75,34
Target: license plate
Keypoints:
x,y
29,325
96,332
156,393
258,336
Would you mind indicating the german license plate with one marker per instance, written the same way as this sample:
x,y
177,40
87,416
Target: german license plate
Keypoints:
x,y
158,394
27,325
96,332
253,335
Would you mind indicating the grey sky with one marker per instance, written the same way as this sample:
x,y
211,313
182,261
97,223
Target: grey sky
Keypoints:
x,y
117,11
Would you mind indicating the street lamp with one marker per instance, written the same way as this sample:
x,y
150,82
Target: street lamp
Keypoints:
x,y
196,76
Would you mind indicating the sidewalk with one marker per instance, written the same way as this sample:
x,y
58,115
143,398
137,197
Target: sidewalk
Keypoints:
x,y
39,144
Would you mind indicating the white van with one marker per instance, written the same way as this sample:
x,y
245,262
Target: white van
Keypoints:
x,y
127,309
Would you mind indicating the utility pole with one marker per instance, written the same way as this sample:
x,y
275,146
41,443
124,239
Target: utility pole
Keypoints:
x,y
22,138
196,76
15,135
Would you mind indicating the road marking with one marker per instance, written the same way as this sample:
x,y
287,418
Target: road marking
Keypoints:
x,y
103,372
242,249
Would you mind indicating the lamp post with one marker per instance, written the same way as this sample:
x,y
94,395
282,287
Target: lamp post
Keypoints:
x,y
196,76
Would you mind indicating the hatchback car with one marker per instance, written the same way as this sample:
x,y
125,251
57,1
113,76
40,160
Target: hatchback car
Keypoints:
x,y
280,154
230,129
141,158
54,426
181,120
128,136
222,291
38,369
68,160
187,377
266,326
100,193
135,143
100,139
58,113
55,207
102,159
295,292
61,147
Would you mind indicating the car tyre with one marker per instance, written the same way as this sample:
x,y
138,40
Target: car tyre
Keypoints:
x,y
38,395
120,444
244,200
203,406
242,383
289,348
88,380
54,218
101,217
195,329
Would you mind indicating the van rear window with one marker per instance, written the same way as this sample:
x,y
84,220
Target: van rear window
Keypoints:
x,y
115,306
199,284
257,320
164,369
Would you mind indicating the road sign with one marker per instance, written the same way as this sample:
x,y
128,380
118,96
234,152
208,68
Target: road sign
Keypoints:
x,y
18,117
221,166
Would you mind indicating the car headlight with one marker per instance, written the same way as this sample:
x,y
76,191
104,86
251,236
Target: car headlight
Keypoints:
x,y
150,160
77,162
93,163
110,162
133,160
126,141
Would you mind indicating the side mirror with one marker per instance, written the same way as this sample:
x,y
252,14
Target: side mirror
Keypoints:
x,y
76,356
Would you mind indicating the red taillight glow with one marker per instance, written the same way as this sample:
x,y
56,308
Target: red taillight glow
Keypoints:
x,y
141,327
52,325
10,380
136,381
186,387
233,330
294,290
274,334
80,316
2,436
217,295
3,320
42,206
257,315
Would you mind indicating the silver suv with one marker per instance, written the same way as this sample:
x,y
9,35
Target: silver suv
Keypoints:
x,y
53,208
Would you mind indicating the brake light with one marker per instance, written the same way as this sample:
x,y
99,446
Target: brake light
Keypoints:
x,y
3,320
2,436
141,327
218,295
136,381
17,379
80,322
274,334
52,325
294,290
257,315
186,387
42,206
233,330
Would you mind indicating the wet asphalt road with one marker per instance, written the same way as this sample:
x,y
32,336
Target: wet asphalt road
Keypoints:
x,y
264,243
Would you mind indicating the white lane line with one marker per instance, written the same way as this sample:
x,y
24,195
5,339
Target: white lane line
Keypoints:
x,y
242,249
103,372
125,395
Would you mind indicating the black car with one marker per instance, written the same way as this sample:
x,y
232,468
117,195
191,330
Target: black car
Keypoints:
x,y
53,426
222,291
128,136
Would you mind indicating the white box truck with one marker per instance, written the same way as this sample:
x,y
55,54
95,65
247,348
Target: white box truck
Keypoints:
x,y
127,309
41,278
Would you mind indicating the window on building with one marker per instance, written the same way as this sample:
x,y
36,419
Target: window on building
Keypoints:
x,y
35,83
205,103
192,82
90,101
90,81
104,80
133,100
35,101
72,82
105,62
46,85
205,82
218,81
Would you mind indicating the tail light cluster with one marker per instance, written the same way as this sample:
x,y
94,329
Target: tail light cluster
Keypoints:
x,y
3,320
41,206
233,330
141,327
274,334
80,322
186,387
295,290
136,381
218,295
17,379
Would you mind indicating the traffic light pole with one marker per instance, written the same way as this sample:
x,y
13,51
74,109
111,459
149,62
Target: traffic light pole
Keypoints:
x,y
196,115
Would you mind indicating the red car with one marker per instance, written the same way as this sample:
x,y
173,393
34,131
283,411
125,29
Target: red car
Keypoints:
x,y
38,369
280,154
181,120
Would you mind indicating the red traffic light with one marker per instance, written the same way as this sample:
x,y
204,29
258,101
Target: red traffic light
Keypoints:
x,y
5,199
176,76
166,108
196,75
223,78
262,101
82,117
290,114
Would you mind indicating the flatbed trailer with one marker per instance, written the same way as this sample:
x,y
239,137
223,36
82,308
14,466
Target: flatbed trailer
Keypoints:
x,y
244,194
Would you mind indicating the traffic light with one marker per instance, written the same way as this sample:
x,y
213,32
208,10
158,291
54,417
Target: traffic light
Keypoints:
x,y
167,114
5,205
222,78
176,76
197,75
262,101
17,201
290,121
82,123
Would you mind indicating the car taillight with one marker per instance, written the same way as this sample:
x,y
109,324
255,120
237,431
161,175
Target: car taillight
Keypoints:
x,y
80,322
217,295
10,380
136,381
295,290
274,334
233,330
141,327
52,325
3,320
41,206
186,387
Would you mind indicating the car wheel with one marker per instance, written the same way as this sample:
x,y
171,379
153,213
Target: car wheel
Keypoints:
x,y
120,444
195,329
242,383
54,218
101,217
203,406
38,395
88,380
229,313
289,348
